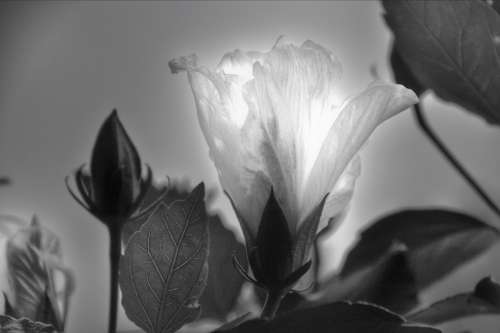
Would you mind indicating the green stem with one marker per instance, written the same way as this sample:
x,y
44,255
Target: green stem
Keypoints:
x,y
114,259
424,125
272,303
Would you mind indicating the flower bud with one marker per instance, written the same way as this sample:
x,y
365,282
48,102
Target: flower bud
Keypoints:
x,y
271,258
114,188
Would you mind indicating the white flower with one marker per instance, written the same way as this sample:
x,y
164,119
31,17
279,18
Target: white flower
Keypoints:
x,y
270,119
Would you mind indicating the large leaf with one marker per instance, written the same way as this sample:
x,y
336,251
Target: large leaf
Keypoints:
x,y
33,258
164,269
451,47
485,299
437,241
23,325
155,194
341,317
224,282
403,74
388,282
218,298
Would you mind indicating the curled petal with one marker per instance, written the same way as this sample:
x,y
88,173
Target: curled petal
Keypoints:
x,y
357,120
221,114
341,194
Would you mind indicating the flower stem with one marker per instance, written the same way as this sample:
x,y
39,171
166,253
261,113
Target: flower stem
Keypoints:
x,y
114,259
424,125
272,303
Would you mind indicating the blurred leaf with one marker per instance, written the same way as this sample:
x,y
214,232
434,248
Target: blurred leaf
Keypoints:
x,y
341,317
10,224
495,4
437,242
164,269
33,258
23,325
485,299
5,181
451,47
388,282
224,282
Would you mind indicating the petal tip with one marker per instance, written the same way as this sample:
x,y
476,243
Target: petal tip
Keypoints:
x,y
408,94
185,63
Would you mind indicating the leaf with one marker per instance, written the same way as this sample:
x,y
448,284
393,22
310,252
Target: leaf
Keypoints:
x,y
153,196
438,241
388,282
218,299
23,325
485,299
164,269
33,257
168,193
224,282
403,74
10,224
340,317
451,47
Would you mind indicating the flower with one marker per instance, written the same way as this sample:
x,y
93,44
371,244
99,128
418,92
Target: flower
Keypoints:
x,y
40,285
271,120
114,188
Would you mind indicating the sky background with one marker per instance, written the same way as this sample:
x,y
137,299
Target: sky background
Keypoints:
x,y
65,65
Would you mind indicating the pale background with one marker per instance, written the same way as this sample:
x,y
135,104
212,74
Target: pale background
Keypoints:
x,y
65,65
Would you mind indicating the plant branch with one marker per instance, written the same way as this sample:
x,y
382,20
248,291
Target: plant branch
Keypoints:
x,y
114,259
424,125
272,303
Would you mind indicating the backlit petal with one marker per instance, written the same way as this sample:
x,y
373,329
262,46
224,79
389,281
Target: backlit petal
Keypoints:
x,y
230,138
293,96
357,120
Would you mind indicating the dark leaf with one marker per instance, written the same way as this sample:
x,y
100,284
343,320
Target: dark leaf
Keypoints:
x,y
224,282
23,325
388,282
437,241
164,269
452,47
495,4
341,317
218,299
403,74
485,299
33,257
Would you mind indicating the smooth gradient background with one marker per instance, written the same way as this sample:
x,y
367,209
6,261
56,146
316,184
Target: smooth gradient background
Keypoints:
x,y
65,65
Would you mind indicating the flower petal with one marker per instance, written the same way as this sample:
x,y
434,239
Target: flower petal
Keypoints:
x,y
230,142
341,194
292,95
357,120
